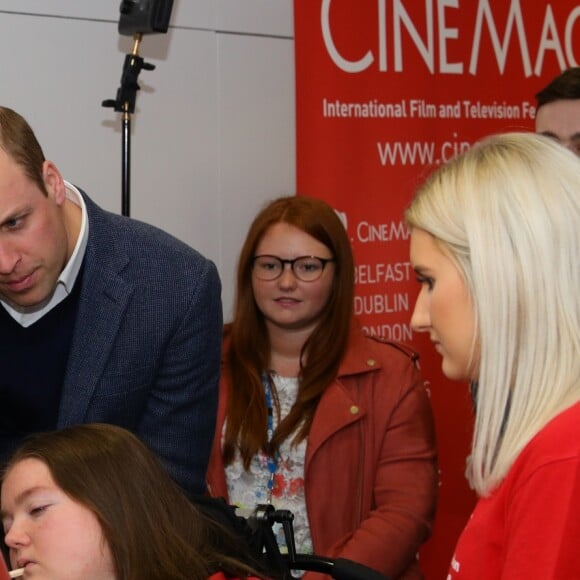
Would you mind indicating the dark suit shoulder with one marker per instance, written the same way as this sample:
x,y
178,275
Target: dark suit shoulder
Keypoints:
x,y
114,237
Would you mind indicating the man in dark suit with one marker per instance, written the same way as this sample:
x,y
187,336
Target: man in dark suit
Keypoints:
x,y
102,318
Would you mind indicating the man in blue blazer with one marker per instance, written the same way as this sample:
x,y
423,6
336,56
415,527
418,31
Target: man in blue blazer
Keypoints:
x,y
103,318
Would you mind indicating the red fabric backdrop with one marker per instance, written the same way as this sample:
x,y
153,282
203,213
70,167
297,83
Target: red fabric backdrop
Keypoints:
x,y
385,91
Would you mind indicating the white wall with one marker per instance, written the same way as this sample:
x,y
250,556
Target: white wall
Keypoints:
x,y
213,132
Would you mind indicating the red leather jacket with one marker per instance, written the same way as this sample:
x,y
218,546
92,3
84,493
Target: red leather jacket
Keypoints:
x,y
370,470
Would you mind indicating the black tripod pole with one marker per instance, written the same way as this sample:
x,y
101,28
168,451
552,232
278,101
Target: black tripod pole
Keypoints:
x,y
125,104
126,166
126,143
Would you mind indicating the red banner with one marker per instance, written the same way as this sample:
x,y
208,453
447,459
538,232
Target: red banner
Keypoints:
x,y
385,91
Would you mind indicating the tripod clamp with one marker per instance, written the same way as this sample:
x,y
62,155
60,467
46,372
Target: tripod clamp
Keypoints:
x,y
127,92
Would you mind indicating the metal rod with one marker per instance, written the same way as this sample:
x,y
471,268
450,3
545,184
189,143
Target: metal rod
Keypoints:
x,y
126,171
126,165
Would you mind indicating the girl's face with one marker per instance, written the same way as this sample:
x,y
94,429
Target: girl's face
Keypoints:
x,y
287,302
50,535
444,307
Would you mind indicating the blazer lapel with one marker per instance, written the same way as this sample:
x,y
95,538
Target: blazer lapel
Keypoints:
x,y
103,301
100,314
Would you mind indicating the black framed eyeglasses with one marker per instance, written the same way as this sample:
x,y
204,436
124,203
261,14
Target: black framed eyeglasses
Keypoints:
x,y
305,268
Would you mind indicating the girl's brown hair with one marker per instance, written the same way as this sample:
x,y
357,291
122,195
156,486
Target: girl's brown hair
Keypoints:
x,y
152,529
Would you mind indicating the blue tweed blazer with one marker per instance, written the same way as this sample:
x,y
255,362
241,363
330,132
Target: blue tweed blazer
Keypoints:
x,y
145,353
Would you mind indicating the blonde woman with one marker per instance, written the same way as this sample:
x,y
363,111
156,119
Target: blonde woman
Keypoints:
x,y
495,245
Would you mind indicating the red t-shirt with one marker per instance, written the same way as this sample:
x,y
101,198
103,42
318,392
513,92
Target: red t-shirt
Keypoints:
x,y
529,527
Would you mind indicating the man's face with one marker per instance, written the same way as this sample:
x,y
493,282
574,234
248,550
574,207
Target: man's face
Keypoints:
x,y
560,120
33,236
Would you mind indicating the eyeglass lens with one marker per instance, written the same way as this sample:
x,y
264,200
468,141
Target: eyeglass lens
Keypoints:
x,y
305,268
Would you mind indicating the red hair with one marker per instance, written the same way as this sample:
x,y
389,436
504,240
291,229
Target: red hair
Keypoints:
x,y
249,352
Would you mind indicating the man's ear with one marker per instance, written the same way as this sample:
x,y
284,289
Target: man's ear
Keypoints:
x,y
53,182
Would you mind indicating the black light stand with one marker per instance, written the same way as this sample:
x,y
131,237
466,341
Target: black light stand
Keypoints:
x,y
138,17
125,103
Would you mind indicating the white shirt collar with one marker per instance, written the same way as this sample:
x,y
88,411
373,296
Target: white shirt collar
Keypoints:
x,y
25,316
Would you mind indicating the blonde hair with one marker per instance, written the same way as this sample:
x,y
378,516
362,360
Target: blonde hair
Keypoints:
x,y
508,213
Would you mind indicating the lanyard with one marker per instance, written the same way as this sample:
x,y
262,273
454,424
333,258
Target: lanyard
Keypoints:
x,y
272,461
